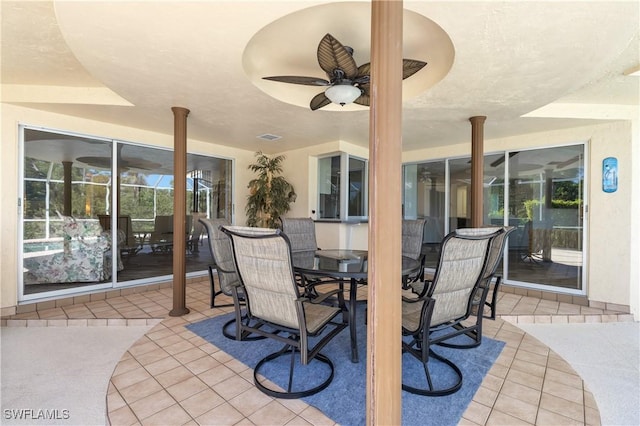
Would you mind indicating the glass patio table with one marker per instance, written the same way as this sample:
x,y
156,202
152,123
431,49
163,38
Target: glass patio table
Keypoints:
x,y
348,265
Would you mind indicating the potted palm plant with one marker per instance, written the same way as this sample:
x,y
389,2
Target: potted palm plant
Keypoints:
x,y
269,193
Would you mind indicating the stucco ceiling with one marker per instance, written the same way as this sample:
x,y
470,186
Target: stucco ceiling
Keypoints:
x,y
561,63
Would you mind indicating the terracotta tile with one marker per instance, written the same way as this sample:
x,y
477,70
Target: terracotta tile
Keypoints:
x,y
521,392
516,408
565,378
140,390
223,414
236,365
273,414
485,396
202,364
173,415
528,367
114,401
498,418
560,390
232,387
557,363
562,407
183,390
179,347
131,377
499,370
530,357
547,418
299,421
589,400
152,356
526,379
477,413
202,402
295,405
166,338
152,404
125,366
492,382
122,416
466,422
216,375
173,376
250,401
592,417
163,365
190,355
142,348
314,416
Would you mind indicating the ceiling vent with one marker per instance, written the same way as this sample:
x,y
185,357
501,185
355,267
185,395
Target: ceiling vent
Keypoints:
x,y
269,137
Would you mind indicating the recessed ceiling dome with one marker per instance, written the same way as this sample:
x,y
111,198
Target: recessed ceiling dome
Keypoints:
x,y
289,45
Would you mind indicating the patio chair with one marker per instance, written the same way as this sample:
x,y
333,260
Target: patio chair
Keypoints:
x,y
301,232
195,233
473,330
491,273
225,270
264,264
432,318
412,241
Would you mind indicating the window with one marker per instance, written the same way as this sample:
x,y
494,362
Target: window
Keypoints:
x,y
335,192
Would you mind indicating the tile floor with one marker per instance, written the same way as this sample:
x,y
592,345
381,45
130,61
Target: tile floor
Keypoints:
x,y
172,376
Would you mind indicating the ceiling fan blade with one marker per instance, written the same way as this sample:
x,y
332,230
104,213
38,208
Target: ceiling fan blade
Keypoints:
x,y
364,99
500,160
364,70
320,100
307,81
411,66
562,164
333,55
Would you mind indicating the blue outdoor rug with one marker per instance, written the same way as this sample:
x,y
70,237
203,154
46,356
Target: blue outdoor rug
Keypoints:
x,y
344,400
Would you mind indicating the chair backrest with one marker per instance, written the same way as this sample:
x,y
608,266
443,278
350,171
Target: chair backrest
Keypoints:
x,y
461,267
412,237
263,261
198,227
497,244
163,224
222,253
124,224
301,233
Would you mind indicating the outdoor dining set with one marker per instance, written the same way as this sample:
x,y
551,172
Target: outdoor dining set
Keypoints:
x,y
285,288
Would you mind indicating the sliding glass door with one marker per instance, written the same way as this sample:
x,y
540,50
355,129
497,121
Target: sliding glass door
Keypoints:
x,y
98,213
543,199
546,204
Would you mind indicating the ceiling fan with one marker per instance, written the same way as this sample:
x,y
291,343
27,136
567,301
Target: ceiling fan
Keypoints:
x,y
347,82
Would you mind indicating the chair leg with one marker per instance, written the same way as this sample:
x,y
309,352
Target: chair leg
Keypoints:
x,y
290,393
431,388
473,332
494,298
215,293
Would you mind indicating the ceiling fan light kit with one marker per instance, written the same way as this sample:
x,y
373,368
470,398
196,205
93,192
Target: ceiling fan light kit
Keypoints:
x,y
342,94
